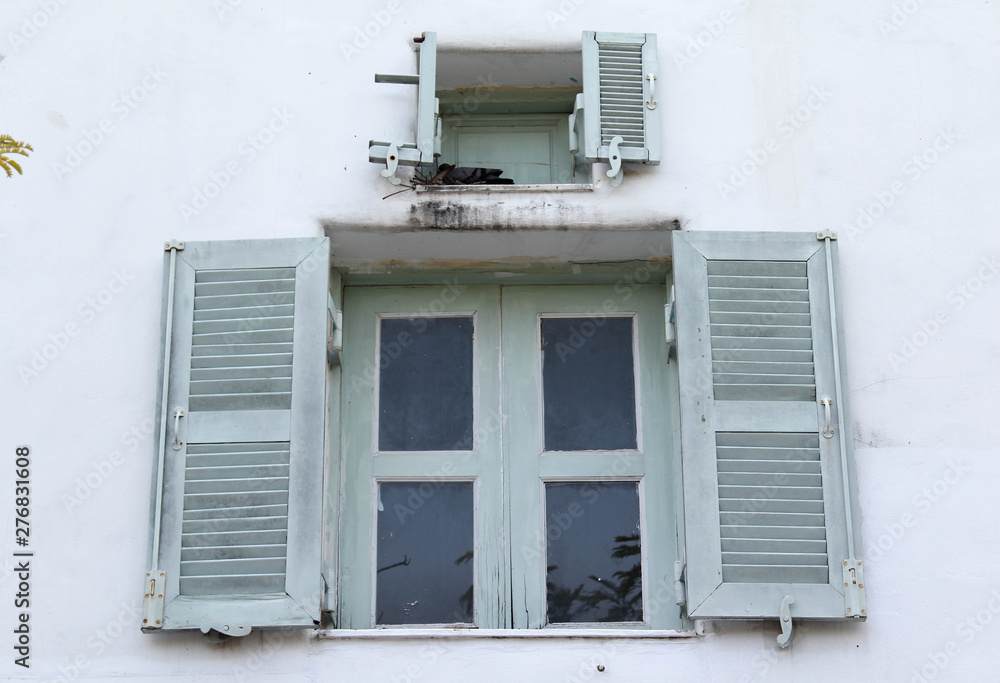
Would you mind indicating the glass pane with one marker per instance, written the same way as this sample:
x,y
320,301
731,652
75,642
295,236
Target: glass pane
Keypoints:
x,y
594,563
588,384
425,384
424,561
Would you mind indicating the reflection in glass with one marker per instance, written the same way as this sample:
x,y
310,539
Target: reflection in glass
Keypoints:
x,y
588,384
425,384
594,562
424,558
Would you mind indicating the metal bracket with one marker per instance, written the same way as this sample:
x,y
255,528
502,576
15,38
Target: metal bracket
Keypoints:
x,y
680,598
785,639
615,157
335,334
669,318
177,444
651,102
173,244
218,633
854,589
391,164
152,601
827,403
826,234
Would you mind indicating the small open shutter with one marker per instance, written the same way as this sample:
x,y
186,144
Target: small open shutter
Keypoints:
x,y
769,503
428,145
237,484
619,96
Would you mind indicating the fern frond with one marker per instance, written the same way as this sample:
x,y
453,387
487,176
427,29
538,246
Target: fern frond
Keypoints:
x,y
9,145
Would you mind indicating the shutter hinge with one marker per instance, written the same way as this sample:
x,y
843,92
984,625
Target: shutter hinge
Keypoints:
x,y
854,589
669,319
785,617
173,244
152,601
335,332
680,598
826,234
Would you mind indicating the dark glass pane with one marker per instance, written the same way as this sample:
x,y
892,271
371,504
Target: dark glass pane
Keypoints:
x,y
424,556
588,384
594,564
425,384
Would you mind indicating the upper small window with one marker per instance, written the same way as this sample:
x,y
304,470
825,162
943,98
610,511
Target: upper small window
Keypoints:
x,y
529,118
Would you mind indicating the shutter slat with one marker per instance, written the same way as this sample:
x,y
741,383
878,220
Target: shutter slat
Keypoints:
x,y
769,574
276,311
215,501
247,300
225,585
212,356
243,372
773,532
234,538
245,472
259,322
246,552
754,501
770,545
233,567
274,521
737,465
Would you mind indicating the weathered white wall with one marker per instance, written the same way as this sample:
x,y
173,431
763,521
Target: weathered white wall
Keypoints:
x,y
874,86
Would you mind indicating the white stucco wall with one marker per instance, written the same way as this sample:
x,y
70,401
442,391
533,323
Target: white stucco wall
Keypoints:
x,y
894,146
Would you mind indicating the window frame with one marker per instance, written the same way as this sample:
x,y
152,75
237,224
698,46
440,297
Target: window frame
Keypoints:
x,y
590,295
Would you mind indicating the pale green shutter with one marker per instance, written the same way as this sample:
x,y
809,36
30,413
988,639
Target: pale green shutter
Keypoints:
x,y
238,476
428,126
620,93
769,503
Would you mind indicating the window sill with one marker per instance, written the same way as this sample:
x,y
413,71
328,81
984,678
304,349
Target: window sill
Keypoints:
x,y
557,187
503,634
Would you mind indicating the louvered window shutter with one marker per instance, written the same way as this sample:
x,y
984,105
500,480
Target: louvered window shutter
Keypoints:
x,y
768,477
428,145
237,487
620,97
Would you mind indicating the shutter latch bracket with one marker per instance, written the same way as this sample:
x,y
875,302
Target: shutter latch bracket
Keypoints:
x,y
854,589
218,633
670,321
826,234
335,332
152,601
615,158
785,616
